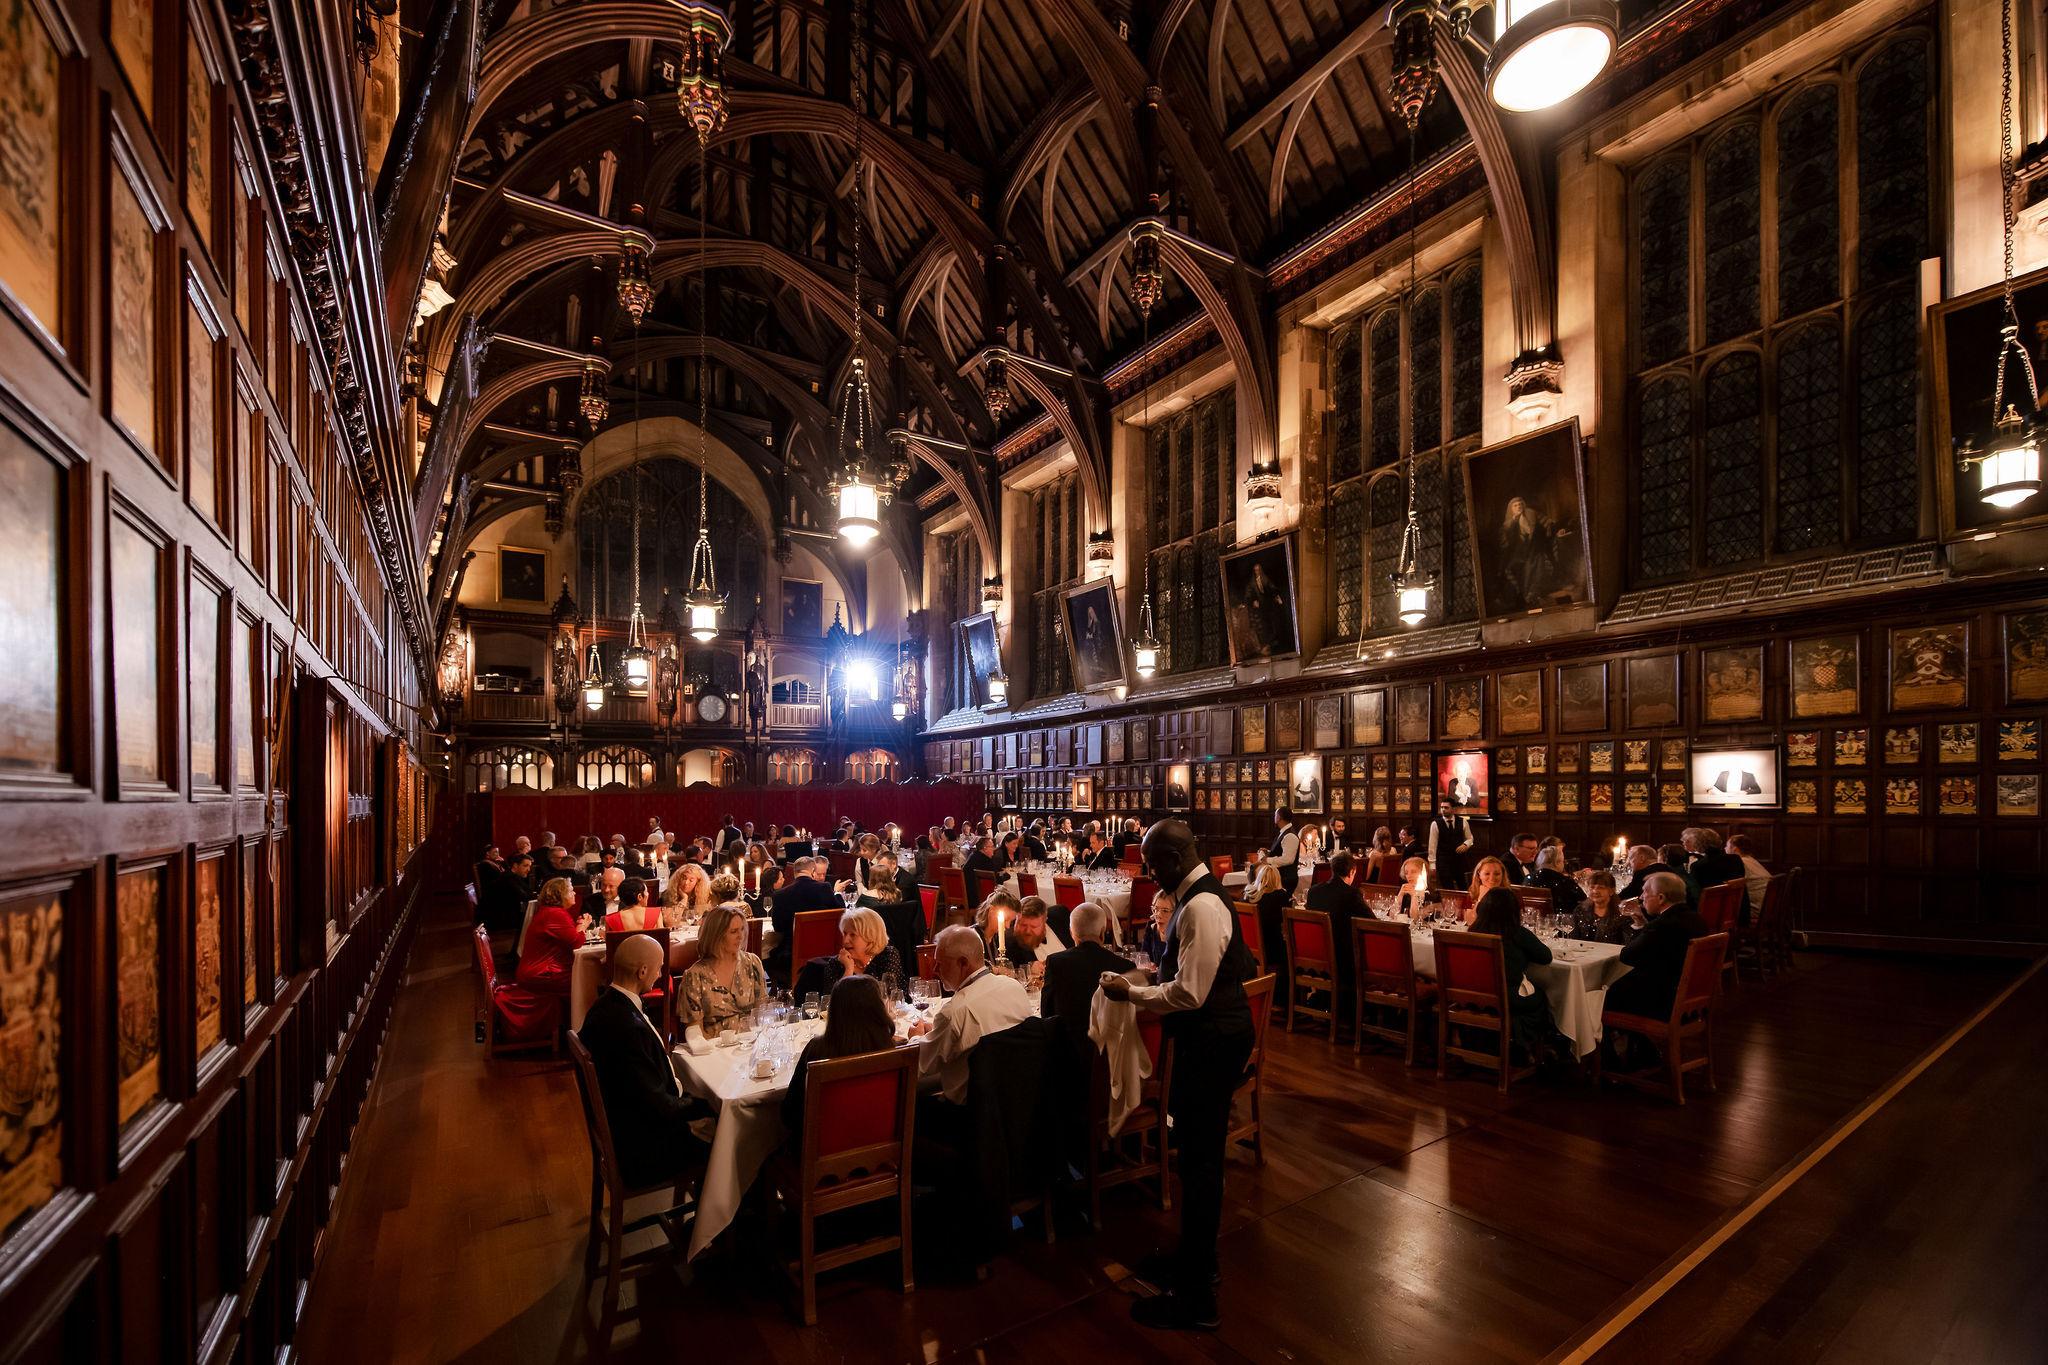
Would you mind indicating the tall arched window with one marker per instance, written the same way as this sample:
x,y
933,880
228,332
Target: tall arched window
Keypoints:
x,y
1746,378
1055,523
666,491
491,770
1191,459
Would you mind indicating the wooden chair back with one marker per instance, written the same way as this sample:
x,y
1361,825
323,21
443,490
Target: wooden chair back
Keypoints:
x,y
1258,995
979,885
1221,865
1720,904
1472,988
841,864
1383,955
1247,928
928,897
1311,966
1691,1020
1456,902
813,933
860,1117
953,888
1320,875
757,930
1067,891
1536,898
928,961
604,1159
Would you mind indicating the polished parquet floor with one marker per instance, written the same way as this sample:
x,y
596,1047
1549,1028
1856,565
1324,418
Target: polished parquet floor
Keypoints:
x,y
1397,1217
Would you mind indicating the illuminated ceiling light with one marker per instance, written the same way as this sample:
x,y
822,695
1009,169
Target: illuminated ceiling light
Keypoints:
x,y
593,682
1262,487
592,401
700,88
860,494
1546,51
2008,464
703,601
1146,649
636,278
899,708
863,681
992,594
860,508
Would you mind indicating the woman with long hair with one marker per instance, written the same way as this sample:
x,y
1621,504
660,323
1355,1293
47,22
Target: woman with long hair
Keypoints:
x,y
552,937
1598,918
686,897
1490,874
726,981
1383,858
1499,912
857,1023
1265,890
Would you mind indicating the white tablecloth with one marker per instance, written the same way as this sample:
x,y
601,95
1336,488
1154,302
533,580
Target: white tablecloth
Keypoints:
x,y
586,973
1575,983
749,1124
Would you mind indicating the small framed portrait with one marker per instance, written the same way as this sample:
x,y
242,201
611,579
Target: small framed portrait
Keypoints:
x,y
1178,786
1286,725
1369,717
1735,779
1305,785
1732,684
1464,712
1411,713
1326,730
1582,697
1258,601
1528,520
803,608
1519,697
1930,667
522,575
2026,656
1095,640
1113,742
1826,676
1462,782
1251,729
1083,795
1652,698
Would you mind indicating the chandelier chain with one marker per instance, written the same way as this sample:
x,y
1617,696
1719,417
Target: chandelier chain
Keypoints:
x,y
2007,174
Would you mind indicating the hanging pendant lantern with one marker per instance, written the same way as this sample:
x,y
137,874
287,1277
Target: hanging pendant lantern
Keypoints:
x,y
1412,586
2007,462
591,401
1262,487
1415,76
1146,649
704,601
998,685
995,376
859,491
700,88
1148,275
593,682
636,278
860,507
1546,51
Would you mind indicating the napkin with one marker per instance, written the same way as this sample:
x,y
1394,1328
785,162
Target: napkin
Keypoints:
x,y
1113,1026
694,1041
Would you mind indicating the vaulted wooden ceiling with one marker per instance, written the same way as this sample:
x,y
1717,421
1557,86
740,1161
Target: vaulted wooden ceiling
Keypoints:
x,y
1009,152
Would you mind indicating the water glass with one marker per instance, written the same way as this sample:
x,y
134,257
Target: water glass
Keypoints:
x,y
811,1006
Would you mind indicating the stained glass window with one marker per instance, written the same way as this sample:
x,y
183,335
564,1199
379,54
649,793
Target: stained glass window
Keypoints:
x,y
1887,417
1425,368
1388,510
1894,96
1467,307
1347,417
1810,438
1056,522
1664,260
1385,387
1195,463
1664,489
1347,558
1809,214
1732,244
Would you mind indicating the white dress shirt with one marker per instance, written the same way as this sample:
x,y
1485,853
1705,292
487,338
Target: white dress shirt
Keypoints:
x,y
984,1004
1755,878
1202,926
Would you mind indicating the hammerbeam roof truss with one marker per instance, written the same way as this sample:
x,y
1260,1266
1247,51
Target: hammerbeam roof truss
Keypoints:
x,y
996,129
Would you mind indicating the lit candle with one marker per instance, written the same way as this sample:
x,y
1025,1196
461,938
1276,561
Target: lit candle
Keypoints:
x,y
1002,938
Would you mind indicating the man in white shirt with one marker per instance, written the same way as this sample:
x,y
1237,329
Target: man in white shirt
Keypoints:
x,y
1286,849
982,1003
1202,972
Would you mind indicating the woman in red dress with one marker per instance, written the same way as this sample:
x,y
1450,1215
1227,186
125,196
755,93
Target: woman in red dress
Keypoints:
x,y
552,938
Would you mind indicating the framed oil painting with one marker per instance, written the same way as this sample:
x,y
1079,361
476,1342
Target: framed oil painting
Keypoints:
x,y
978,638
1652,691
1519,699
803,608
1582,697
1258,602
1464,713
1178,784
1411,713
1326,729
1732,684
1305,784
1369,717
2026,656
1095,641
522,575
2019,794
1251,729
1735,779
1462,782
1826,676
1286,725
1528,522
1083,796
1930,667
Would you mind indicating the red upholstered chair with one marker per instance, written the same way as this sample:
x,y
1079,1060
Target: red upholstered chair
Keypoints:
x,y
1721,911
1132,865
1143,892
928,961
1691,1020
1311,967
859,1117
1384,953
928,896
979,885
1139,1150
1472,985
953,894
1258,993
1458,903
469,894
842,864
1320,875
757,931
509,1017
1221,866
1535,899
1766,944
813,933
1067,891
1248,930
608,1195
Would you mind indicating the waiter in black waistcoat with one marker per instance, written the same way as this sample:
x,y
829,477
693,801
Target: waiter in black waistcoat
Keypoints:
x,y
1202,972
1286,850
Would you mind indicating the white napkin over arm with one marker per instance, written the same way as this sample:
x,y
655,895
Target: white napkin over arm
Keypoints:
x,y
1113,1027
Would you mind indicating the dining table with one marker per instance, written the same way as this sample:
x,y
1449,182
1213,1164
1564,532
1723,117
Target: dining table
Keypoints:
x,y
1575,981
1112,893
587,969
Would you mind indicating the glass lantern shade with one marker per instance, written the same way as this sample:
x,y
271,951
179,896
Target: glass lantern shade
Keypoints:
x,y
1546,51
860,510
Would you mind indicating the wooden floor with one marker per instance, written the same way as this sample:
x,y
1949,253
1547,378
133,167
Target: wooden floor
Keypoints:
x,y
1397,1217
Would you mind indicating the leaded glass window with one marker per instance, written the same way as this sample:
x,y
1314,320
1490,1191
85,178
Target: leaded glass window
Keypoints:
x,y
1055,511
1384,387
1347,557
1746,377
1193,461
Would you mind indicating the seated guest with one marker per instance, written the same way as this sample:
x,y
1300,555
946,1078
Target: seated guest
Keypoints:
x,y
864,950
863,859
687,896
1152,938
1489,875
552,938
1100,857
893,896
1549,875
858,1023
1756,878
725,890
1010,852
1413,893
1655,951
805,891
1267,889
544,868
1598,918
1016,933
983,858
618,847
502,905
1339,835
726,981
1708,860
587,853
1382,858
1407,845
604,899
488,869
647,1112
982,1003
1520,863
1341,900
1070,976
1642,861
634,912
1499,911
1673,857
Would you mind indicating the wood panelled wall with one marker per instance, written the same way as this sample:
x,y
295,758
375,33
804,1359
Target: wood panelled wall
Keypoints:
x,y
1908,732
201,924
